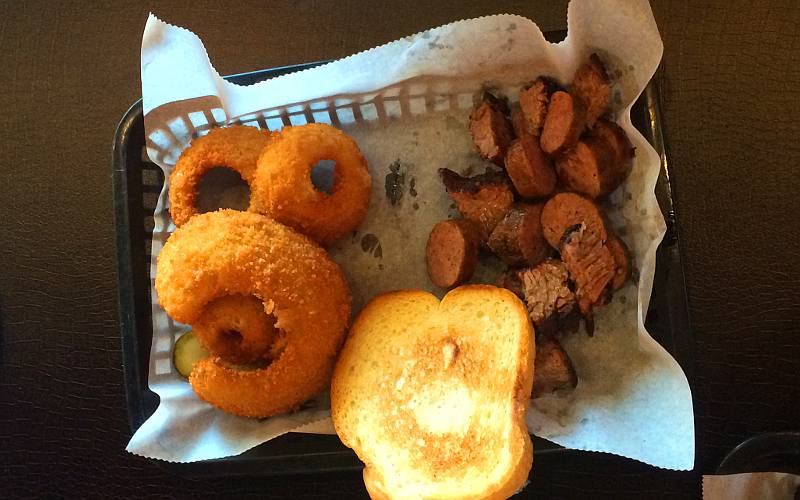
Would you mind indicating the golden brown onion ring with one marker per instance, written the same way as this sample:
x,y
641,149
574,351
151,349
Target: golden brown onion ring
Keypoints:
x,y
236,148
283,187
229,252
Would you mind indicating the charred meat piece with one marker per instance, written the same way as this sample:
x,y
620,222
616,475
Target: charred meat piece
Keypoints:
x,y
518,239
510,280
452,252
483,199
619,251
554,368
590,265
533,102
547,294
599,163
566,210
564,123
491,128
592,86
530,170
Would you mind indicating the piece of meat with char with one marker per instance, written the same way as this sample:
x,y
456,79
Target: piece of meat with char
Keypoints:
x,y
533,102
554,370
530,170
592,85
566,118
483,199
547,294
590,265
565,210
518,239
491,128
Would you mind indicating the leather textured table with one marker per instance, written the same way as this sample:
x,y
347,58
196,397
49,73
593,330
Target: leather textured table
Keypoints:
x,y
729,83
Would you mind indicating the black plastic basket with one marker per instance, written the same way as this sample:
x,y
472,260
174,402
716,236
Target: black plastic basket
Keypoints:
x,y
137,184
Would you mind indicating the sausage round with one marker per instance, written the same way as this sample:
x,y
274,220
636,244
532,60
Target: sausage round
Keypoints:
x,y
564,123
566,210
529,168
518,239
452,252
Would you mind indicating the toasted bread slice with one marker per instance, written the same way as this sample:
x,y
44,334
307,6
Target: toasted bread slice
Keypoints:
x,y
432,395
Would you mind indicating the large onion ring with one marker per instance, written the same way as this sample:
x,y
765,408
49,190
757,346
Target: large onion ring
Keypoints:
x,y
236,148
283,187
228,253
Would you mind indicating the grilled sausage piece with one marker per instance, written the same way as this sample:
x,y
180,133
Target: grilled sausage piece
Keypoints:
x,y
491,128
452,252
564,123
510,280
529,168
590,266
599,163
518,239
483,199
554,368
592,86
619,251
566,210
533,102
547,295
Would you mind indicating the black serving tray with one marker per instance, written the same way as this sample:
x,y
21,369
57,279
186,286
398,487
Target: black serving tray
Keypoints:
x,y
137,183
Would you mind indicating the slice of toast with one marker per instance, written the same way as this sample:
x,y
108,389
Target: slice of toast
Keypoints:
x,y
432,395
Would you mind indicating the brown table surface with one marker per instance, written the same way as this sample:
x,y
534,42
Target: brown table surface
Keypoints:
x,y
69,70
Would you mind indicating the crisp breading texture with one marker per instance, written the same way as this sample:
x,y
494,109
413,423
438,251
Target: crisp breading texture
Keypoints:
x,y
240,253
283,187
236,148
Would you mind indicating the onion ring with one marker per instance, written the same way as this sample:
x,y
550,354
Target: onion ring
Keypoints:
x,y
283,187
236,329
236,148
228,253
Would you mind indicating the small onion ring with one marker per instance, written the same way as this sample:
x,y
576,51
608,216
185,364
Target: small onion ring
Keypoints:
x,y
283,187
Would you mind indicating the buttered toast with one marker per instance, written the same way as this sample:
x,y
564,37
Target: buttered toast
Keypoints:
x,y
432,395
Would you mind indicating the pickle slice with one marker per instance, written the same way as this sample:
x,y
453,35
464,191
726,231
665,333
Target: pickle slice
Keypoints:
x,y
187,352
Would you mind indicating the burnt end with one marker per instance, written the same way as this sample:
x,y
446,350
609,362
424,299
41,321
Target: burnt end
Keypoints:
x,y
592,85
590,265
518,239
554,369
483,199
498,103
491,128
547,294
511,281
621,254
533,101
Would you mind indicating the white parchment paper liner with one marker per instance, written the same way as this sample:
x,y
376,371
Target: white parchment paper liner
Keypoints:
x,y
407,103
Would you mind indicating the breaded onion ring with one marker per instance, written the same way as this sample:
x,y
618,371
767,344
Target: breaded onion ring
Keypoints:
x,y
236,148
236,328
228,253
283,187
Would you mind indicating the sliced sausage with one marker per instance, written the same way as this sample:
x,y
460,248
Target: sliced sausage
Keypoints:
x,y
554,368
491,128
518,239
592,86
452,252
566,210
483,199
590,265
599,163
533,102
530,170
620,146
547,294
564,123
619,251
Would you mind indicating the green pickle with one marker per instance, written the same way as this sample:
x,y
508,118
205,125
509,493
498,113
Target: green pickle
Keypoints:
x,y
187,352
